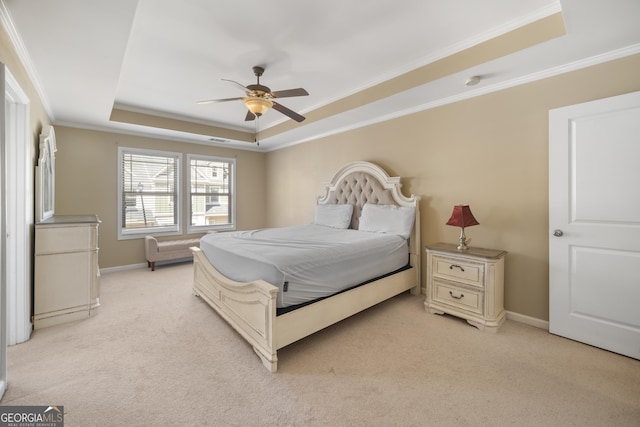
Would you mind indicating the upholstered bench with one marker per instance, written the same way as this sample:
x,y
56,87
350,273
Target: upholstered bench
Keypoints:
x,y
167,250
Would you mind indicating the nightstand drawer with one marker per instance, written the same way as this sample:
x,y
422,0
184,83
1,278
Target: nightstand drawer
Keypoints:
x,y
466,299
460,271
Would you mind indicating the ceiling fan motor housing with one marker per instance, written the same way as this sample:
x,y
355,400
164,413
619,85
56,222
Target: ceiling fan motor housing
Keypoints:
x,y
260,90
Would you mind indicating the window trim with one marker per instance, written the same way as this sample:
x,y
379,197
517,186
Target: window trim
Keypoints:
x,y
157,231
194,229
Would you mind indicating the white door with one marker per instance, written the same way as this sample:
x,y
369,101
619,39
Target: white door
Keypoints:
x,y
594,223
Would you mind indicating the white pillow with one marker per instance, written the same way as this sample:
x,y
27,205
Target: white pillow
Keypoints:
x,y
336,216
389,219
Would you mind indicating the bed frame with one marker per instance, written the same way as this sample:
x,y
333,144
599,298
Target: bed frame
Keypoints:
x,y
250,308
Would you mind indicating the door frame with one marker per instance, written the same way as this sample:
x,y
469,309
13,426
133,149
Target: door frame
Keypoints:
x,y
19,187
3,242
16,224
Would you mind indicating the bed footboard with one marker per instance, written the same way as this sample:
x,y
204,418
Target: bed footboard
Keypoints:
x,y
250,308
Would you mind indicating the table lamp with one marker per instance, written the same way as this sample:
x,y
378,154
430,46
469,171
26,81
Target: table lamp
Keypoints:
x,y
462,217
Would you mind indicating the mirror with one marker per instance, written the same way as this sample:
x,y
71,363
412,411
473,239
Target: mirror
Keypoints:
x,y
46,175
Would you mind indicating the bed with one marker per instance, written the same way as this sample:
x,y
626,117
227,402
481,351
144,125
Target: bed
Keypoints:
x,y
270,301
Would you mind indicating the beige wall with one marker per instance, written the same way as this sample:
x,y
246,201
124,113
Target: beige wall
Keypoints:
x,y
86,183
490,152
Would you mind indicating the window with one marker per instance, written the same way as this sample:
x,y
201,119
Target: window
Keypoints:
x,y
149,193
211,193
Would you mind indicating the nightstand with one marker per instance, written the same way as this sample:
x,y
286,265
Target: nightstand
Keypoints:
x,y
467,284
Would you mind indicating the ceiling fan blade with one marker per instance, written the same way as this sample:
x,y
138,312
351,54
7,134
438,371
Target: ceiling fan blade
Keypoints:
x,y
209,101
250,116
290,92
287,112
235,82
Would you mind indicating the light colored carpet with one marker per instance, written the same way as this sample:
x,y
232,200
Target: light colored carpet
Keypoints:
x,y
157,355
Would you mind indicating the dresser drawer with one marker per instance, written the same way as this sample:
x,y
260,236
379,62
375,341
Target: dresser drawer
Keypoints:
x,y
467,272
450,294
66,239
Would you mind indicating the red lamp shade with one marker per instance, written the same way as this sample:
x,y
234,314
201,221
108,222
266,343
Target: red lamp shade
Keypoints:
x,y
462,217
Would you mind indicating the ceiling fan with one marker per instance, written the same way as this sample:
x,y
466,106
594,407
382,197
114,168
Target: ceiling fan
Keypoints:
x,y
260,98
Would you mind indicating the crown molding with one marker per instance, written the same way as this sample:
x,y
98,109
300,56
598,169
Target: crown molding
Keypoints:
x,y
529,78
23,55
446,52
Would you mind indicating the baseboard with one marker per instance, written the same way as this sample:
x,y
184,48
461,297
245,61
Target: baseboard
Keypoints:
x,y
531,321
143,265
123,268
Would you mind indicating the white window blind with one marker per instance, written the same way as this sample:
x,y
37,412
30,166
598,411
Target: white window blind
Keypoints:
x,y
149,192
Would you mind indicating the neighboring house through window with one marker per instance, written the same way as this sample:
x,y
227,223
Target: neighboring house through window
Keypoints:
x,y
211,193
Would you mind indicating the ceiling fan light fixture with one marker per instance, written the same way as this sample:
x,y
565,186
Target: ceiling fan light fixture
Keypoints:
x,y
257,106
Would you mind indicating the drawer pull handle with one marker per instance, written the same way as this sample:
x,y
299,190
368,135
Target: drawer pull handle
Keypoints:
x,y
455,297
452,266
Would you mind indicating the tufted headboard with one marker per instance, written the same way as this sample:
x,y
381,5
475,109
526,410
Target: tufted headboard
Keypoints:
x,y
363,182
359,188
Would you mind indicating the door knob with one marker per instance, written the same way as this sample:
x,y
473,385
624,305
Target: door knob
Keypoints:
x,y
557,233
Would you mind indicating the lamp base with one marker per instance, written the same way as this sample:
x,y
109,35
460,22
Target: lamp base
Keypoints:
x,y
463,241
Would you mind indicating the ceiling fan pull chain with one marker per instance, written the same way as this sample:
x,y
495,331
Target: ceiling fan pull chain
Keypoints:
x,y
255,138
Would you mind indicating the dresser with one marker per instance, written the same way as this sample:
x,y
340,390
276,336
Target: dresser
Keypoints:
x,y
468,284
66,276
